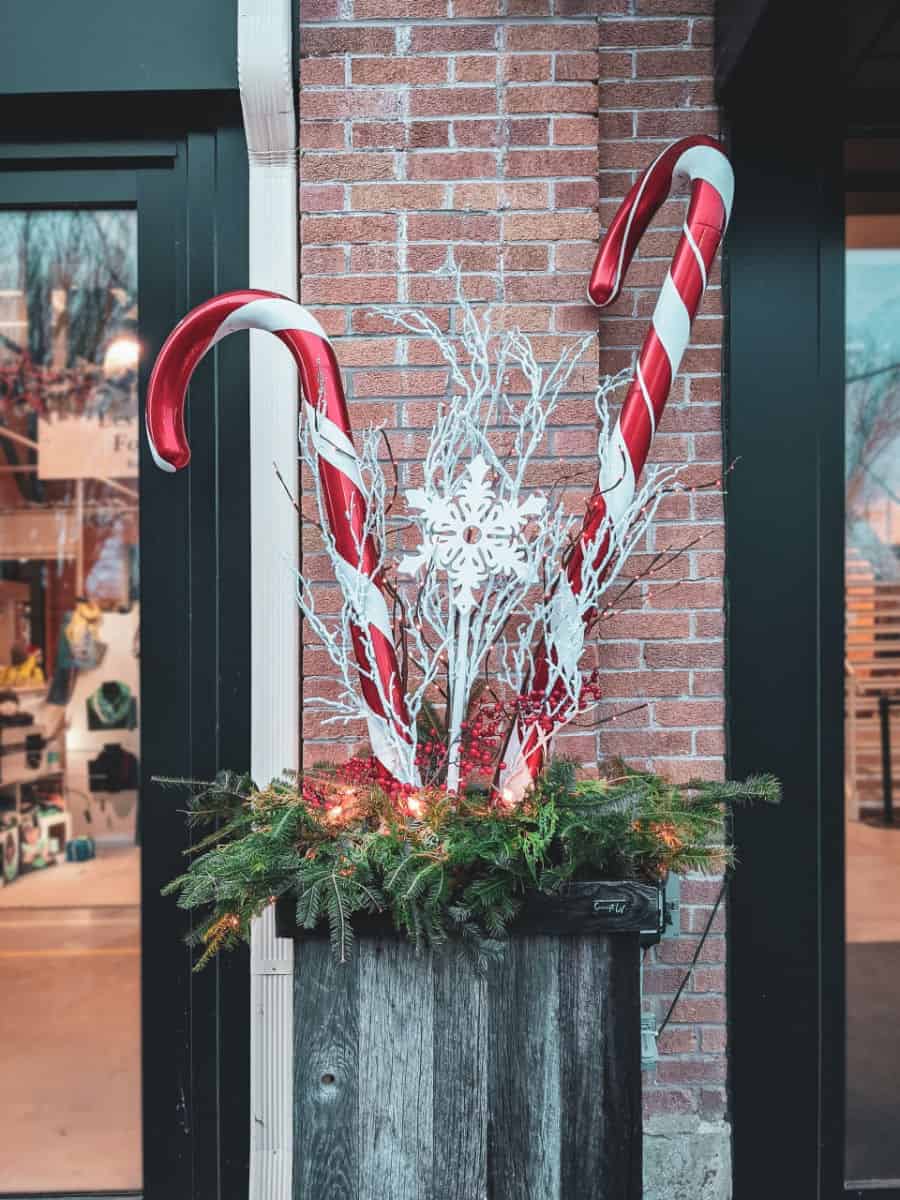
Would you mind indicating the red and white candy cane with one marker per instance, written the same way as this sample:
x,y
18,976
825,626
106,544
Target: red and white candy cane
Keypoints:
x,y
700,162
342,485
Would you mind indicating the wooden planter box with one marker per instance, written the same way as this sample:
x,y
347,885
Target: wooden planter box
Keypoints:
x,y
418,1079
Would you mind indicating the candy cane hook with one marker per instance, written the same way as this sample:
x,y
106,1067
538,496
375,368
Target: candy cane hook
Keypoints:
x,y
700,162
339,472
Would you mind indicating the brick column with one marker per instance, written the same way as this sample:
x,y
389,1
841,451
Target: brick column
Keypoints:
x,y
508,131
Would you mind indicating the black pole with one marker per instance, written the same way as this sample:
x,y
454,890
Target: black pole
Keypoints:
x,y
887,780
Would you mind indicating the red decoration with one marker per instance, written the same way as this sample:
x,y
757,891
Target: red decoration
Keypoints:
x,y
701,162
326,409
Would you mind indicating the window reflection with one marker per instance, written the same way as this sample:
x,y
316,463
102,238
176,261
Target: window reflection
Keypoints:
x,y
872,734
69,702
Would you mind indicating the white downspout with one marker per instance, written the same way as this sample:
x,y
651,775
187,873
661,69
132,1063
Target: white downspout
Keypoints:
x,y
267,98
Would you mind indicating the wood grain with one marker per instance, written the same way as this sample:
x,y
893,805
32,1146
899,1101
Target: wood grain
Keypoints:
x,y
460,1080
326,1063
599,1054
396,1004
418,1079
524,1145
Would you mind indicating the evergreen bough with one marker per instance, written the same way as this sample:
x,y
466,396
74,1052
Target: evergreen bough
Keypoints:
x,y
457,872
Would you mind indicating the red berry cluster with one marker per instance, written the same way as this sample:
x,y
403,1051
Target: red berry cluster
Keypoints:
x,y
369,772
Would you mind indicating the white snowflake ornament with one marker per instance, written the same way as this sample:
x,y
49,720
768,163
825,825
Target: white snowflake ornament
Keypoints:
x,y
471,533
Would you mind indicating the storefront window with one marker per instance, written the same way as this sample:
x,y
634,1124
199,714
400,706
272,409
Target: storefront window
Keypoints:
x,y
70,708
873,693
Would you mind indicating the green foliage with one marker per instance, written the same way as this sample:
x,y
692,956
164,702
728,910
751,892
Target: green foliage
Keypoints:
x,y
455,872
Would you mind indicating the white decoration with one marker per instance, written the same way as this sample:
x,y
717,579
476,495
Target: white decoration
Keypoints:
x,y
490,580
471,533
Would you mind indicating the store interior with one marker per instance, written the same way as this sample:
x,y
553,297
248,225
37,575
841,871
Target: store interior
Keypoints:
x,y
70,705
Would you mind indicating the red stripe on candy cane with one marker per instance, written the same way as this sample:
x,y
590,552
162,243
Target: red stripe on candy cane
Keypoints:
x,y
700,162
345,503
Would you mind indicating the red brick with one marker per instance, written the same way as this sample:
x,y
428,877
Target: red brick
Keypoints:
x,y
422,165
451,101
574,97
381,135
690,1009
614,64
478,8
669,1101
479,68
429,133
569,36
348,103
363,352
684,654
374,10
399,70
322,135
327,72
632,33
645,95
347,167
400,383
655,8
347,228
316,260
672,64
523,67
529,163
346,39
368,197
569,67
691,1071
676,1040
449,228
580,193
548,227
576,131
354,289
689,712
448,39
321,197
702,32
374,260
532,131
320,10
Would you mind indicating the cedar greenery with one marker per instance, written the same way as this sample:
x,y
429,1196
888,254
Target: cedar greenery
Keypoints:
x,y
455,872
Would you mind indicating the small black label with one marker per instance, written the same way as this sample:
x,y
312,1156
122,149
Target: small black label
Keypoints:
x,y
616,907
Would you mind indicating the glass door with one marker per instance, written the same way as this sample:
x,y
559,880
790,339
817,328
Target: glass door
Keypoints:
x,y
70,700
124,648
872,689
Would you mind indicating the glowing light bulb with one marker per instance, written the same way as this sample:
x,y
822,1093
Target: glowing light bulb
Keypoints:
x,y
121,355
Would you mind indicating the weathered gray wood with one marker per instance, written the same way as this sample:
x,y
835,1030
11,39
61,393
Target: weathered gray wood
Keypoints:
x,y
460,1080
396,1003
524,1145
326,1061
419,1080
600,1066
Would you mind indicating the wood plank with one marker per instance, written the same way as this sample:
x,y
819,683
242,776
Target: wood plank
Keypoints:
x,y
524,1100
326,1086
600,1068
460,1079
396,1004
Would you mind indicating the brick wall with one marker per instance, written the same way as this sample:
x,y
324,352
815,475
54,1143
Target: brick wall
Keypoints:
x,y
510,130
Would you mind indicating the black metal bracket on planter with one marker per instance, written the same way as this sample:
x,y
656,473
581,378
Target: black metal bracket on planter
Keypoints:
x,y
579,908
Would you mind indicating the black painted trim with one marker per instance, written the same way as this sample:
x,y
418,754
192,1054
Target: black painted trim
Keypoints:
x,y
784,417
